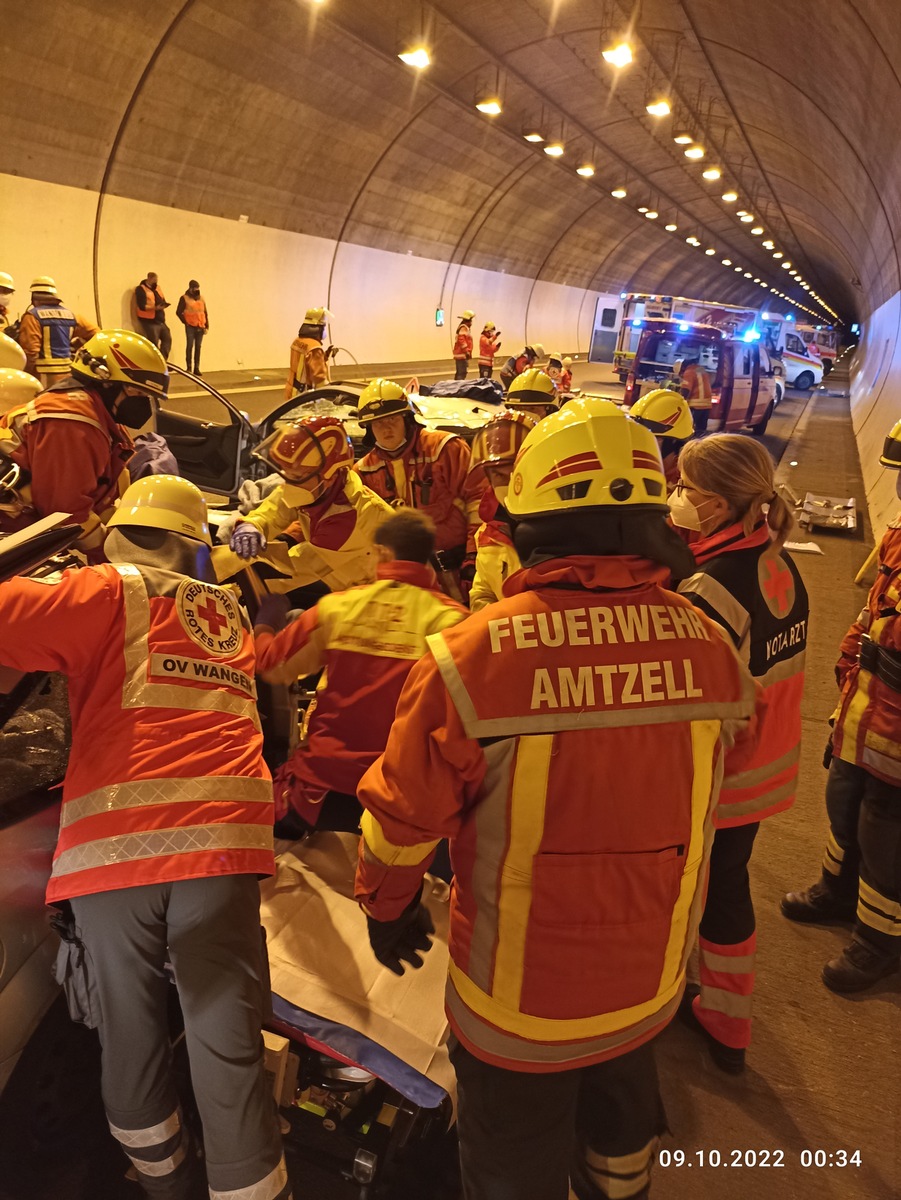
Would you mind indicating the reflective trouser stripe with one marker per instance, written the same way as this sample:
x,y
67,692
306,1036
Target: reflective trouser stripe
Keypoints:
x,y
619,1177
833,857
155,1150
878,912
727,985
273,1186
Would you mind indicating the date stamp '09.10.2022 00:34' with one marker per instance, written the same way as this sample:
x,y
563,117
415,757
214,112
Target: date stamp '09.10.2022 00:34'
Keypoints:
x,y
757,1158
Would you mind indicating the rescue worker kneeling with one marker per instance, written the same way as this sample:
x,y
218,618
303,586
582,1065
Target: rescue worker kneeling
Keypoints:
x,y
69,447
366,639
166,826
322,510
532,738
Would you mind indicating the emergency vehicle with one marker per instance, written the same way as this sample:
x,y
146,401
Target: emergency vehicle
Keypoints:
x,y
742,377
825,340
783,338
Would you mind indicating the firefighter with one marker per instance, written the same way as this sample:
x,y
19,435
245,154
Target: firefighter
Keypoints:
x,y
667,415
566,377
748,584
532,392
192,312
463,344
573,906
309,362
515,366
322,510
424,469
150,306
489,344
494,449
861,877
73,442
166,827
7,296
696,387
48,333
366,639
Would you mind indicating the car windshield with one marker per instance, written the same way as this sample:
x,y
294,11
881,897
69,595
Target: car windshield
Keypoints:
x,y
659,352
332,404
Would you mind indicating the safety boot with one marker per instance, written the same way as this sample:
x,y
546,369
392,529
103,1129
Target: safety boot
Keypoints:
x,y
859,966
728,1058
819,905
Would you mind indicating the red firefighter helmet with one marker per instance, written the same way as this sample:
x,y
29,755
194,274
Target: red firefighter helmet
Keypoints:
x,y
309,452
499,440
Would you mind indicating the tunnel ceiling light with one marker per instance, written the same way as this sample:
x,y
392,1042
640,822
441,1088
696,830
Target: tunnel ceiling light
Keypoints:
x,y
659,108
738,269
651,214
793,272
730,197
618,55
532,134
586,170
778,254
490,104
710,250
555,149
643,208
683,139
415,54
757,279
727,262
619,193
694,151
671,228
757,230
692,240
712,173
786,265
768,244
746,218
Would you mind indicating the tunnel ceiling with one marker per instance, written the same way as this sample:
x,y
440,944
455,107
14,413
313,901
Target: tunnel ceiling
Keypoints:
x,y
300,115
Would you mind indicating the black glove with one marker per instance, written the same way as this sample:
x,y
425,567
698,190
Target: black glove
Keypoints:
x,y
827,753
399,941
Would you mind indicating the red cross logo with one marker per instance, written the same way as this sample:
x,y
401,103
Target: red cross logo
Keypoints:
x,y
213,617
778,587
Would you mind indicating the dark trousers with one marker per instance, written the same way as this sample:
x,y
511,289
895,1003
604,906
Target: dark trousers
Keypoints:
x,y
729,911
485,371
210,931
700,417
193,342
527,1136
864,852
159,333
460,367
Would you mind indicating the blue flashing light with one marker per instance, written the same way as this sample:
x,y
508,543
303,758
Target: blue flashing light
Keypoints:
x,y
683,327
855,328
752,336
790,317
636,324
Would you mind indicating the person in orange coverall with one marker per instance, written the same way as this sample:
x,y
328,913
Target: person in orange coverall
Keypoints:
x,y
531,737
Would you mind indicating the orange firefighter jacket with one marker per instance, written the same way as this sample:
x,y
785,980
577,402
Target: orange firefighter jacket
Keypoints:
x,y
367,639
760,600
432,474
166,779
488,347
696,387
867,729
463,341
75,454
45,334
570,742
308,369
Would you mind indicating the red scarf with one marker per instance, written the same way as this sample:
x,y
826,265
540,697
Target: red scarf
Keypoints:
x,y
732,537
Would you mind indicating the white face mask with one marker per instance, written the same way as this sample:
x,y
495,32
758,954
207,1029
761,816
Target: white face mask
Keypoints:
x,y
683,512
6,299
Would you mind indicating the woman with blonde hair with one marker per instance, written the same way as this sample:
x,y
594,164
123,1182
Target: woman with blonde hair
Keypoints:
x,y
748,584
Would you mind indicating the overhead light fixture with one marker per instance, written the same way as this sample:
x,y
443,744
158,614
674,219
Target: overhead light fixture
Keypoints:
x,y
730,197
586,170
793,272
619,55
757,230
619,193
671,228
532,134
490,104
658,108
683,139
778,254
710,250
643,208
785,266
746,218
651,215
727,262
768,244
747,274
757,279
738,269
554,149
692,240
694,151
712,173
415,54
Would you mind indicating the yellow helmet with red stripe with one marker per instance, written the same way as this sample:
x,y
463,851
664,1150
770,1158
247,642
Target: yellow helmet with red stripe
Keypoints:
x,y
587,455
309,453
500,439
665,413
121,356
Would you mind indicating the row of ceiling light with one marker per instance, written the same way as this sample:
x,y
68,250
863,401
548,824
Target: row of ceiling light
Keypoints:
x,y
488,101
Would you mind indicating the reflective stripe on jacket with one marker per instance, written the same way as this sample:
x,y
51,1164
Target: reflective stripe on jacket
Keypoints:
x,y
45,334
166,779
147,310
760,600
868,720
432,474
569,741
74,452
308,369
496,561
487,349
463,342
367,639
697,382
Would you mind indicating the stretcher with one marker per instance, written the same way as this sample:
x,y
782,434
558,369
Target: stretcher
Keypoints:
x,y
368,1048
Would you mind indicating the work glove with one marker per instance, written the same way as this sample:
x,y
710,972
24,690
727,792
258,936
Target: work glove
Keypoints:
x,y
402,940
247,541
273,611
827,753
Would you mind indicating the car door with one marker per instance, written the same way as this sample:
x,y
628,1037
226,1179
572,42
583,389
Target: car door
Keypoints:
x,y
745,373
207,434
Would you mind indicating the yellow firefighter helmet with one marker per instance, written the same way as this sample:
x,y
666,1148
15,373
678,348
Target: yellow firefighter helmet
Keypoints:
x,y
120,356
665,413
533,388
587,455
383,398
164,502
12,355
891,449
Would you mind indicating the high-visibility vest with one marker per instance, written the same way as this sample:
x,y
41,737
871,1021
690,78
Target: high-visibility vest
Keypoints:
x,y
148,312
57,324
700,392
166,779
195,311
